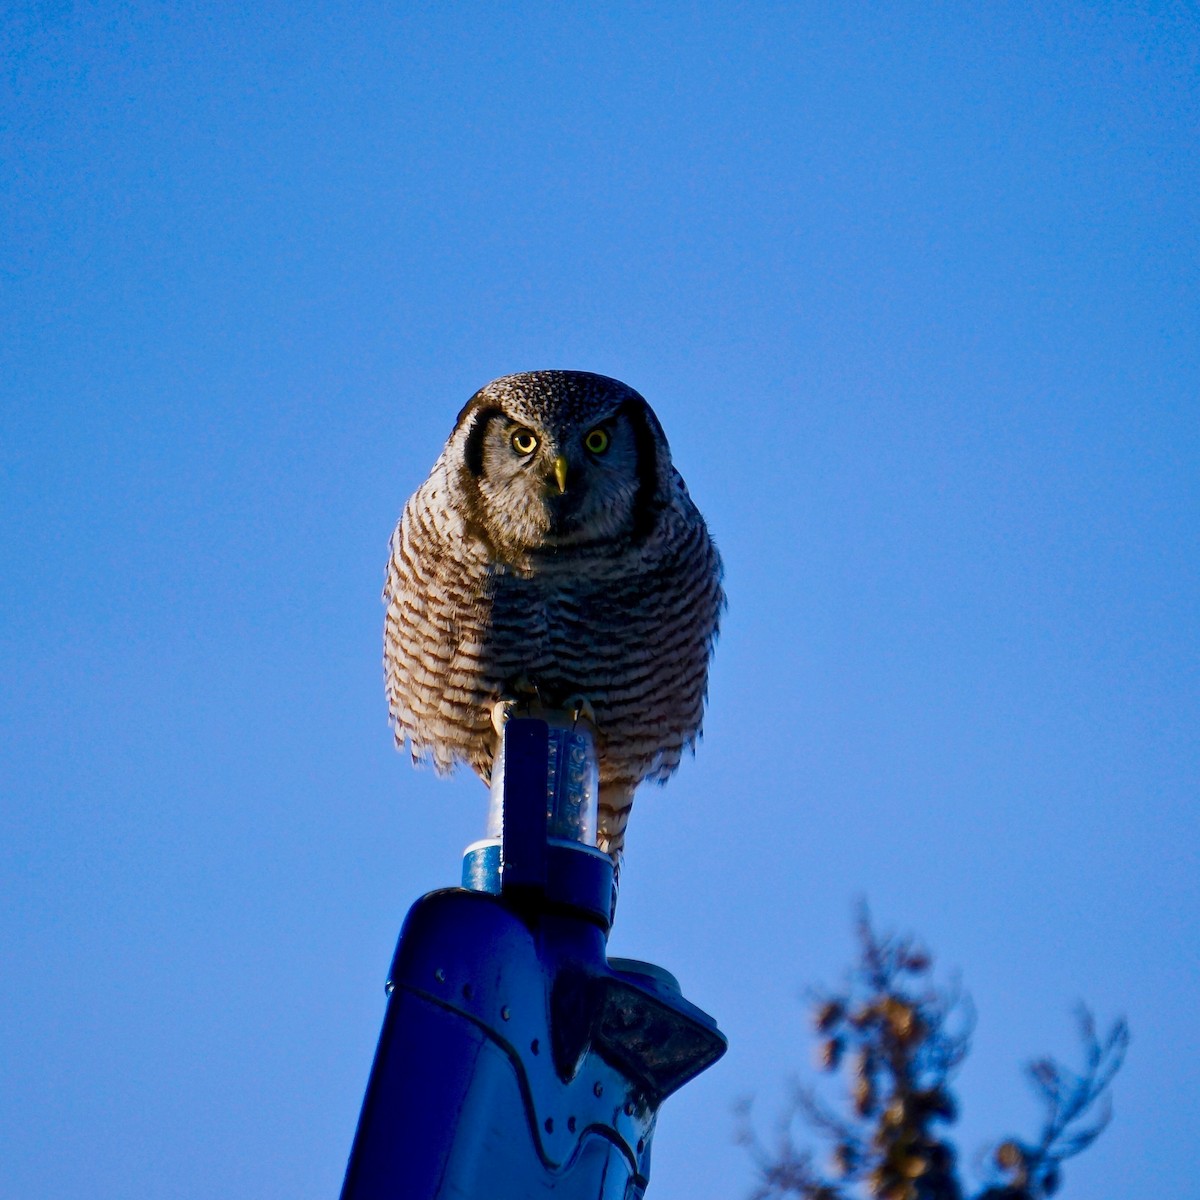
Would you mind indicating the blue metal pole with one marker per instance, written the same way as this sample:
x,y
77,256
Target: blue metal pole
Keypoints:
x,y
516,1059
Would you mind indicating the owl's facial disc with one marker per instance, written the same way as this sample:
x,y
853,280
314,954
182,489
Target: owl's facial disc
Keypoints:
x,y
554,482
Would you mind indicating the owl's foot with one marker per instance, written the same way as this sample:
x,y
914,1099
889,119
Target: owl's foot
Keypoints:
x,y
580,708
521,694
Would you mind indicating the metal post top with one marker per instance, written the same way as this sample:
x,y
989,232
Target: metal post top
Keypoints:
x,y
543,820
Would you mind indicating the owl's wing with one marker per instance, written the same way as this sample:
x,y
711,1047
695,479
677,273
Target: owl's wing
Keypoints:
x,y
434,592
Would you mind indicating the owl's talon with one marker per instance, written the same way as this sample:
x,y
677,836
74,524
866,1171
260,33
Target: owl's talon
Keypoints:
x,y
501,711
580,708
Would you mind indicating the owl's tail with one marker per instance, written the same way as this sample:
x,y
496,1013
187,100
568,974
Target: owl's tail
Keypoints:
x,y
615,805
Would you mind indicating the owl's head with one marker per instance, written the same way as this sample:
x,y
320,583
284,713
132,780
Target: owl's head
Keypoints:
x,y
552,459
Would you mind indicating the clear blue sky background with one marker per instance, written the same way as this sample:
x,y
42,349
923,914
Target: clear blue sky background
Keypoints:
x,y
914,290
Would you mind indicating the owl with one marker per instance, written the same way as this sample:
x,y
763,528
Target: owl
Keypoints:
x,y
553,550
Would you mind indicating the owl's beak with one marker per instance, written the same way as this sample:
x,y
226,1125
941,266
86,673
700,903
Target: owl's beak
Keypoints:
x,y
560,473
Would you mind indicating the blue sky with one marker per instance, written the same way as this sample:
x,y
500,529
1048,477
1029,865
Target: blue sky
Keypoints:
x,y
915,290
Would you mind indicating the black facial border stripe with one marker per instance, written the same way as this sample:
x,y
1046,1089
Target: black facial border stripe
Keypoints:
x,y
473,446
647,437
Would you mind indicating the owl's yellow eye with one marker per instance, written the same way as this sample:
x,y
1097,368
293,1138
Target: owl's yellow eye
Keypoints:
x,y
597,441
524,442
